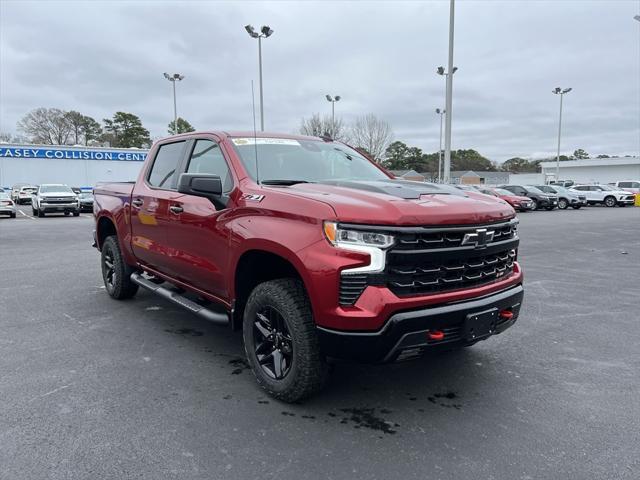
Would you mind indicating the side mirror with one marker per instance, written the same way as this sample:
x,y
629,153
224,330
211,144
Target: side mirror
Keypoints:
x,y
200,185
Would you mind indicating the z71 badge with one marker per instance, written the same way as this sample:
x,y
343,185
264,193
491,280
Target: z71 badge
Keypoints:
x,y
252,197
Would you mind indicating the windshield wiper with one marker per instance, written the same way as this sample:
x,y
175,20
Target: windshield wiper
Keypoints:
x,y
282,182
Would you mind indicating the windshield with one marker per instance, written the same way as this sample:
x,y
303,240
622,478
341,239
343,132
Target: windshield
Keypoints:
x,y
28,189
86,195
531,189
3,195
502,191
305,160
55,188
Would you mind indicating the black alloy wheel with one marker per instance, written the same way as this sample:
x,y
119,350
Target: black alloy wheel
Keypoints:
x,y
108,268
272,343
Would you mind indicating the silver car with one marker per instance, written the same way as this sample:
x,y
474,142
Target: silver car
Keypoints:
x,y
566,198
7,206
57,198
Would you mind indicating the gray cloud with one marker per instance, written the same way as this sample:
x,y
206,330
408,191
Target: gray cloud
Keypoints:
x,y
100,57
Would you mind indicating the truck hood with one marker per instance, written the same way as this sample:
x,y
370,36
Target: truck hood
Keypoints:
x,y
401,202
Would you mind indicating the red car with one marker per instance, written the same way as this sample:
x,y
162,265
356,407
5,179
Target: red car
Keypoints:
x,y
522,204
310,249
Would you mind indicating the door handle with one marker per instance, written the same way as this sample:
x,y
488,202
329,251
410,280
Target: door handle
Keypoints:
x,y
176,209
138,202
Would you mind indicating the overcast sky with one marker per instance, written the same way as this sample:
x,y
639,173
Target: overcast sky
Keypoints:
x,y
101,57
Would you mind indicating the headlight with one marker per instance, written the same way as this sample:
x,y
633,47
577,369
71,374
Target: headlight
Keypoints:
x,y
343,237
372,243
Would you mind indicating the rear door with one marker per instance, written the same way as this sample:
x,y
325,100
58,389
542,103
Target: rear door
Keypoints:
x,y
150,205
197,233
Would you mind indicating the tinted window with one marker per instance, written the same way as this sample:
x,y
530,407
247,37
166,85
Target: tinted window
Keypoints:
x,y
582,188
207,158
163,171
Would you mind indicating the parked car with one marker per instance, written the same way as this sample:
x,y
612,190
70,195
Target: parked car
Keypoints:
x,y
21,193
628,186
566,198
55,198
562,183
86,201
465,187
7,206
537,196
521,204
605,194
312,250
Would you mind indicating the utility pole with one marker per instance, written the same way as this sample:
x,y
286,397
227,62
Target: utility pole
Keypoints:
x,y
449,101
333,101
441,113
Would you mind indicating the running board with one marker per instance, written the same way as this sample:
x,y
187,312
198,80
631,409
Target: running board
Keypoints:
x,y
193,307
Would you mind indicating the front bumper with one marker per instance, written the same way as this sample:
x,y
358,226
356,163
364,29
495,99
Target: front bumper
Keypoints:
x,y
523,205
404,335
59,207
547,202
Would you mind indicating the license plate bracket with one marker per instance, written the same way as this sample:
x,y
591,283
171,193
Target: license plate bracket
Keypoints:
x,y
480,325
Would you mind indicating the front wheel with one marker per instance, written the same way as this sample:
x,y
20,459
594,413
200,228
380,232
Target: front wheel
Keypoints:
x,y
40,213
610,202
115,273
576,207
281,341
550,208
534,204
76,213
563,204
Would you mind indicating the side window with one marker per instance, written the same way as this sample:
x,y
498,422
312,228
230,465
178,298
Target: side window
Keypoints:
x,y
595,189
207,158
163,170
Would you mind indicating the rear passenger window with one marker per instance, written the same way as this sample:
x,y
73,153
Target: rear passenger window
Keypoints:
x,y
207,158
163,170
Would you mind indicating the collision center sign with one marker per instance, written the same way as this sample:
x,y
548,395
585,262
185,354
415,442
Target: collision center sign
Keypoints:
x,y
71,154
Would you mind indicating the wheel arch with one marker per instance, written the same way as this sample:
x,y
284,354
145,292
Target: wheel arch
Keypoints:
x,y
258,265
105,227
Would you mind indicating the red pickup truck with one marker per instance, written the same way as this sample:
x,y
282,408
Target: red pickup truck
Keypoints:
x,y
312,250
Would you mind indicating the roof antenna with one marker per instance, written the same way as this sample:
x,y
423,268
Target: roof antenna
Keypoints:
x,y
255,142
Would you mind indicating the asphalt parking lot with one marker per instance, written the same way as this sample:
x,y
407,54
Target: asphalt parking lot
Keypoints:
x,y
94,388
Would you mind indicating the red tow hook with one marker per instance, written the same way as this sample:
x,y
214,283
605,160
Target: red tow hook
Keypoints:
x,y
506,314
436,335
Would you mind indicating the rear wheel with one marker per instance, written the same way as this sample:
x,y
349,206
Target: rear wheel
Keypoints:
x,y
563,204
281,342
115,273
610,201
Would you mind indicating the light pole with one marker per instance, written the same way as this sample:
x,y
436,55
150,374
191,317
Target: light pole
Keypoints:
x,y
176,77
561,92
447,170
265,32
333,101
440,112
449,102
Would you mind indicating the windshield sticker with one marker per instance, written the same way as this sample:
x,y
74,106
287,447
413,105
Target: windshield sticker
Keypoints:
x,y
264,141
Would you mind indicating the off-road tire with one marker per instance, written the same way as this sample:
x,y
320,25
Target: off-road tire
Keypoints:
x,y
308,370
121,286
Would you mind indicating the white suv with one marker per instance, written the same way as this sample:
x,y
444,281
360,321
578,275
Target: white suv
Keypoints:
x,y
628,186
610,196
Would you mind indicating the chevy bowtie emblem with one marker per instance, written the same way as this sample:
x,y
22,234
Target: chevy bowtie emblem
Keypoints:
x,y
480,238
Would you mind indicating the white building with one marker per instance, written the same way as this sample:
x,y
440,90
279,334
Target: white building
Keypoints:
x,y
595,170
74,166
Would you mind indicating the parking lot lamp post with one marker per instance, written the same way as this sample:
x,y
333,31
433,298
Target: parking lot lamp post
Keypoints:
x,y
265,32
440,112
176,77
561,92
333,101
449,88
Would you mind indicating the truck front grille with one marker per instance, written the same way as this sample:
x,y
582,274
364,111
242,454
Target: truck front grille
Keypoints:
x,y
432,260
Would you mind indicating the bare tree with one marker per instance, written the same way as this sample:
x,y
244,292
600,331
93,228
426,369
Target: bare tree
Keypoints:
x,y
5,137
318,126
49,126
372,135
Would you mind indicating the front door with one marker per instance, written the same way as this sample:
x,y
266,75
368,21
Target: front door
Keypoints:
x,y
150,216
197,233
